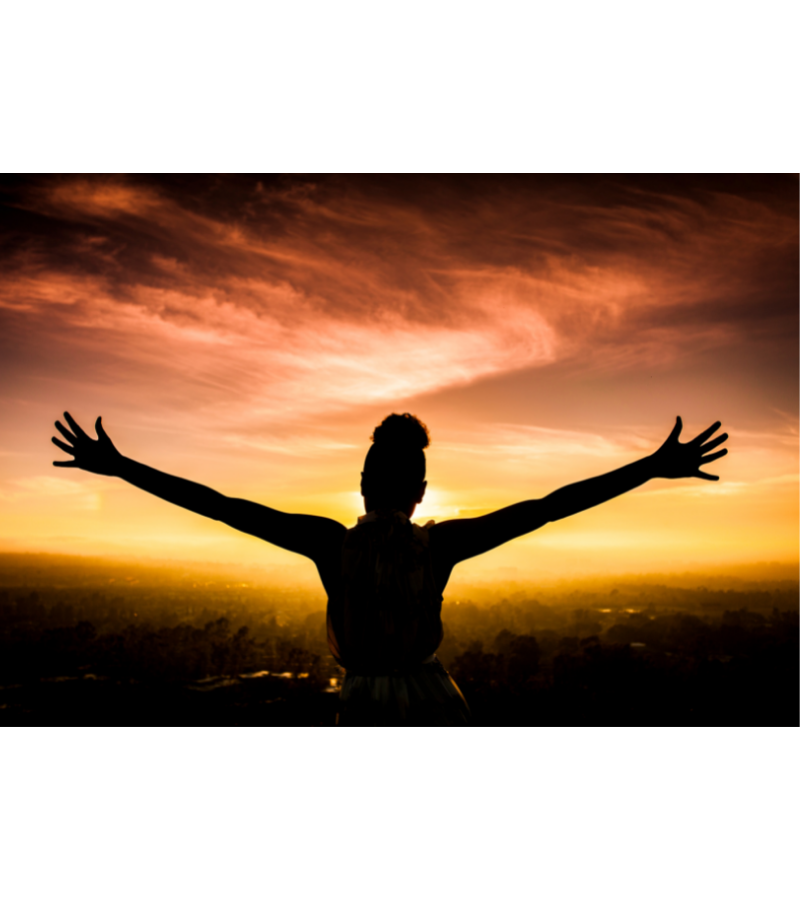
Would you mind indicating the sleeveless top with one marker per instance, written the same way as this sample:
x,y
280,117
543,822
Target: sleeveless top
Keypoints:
x,y
386,616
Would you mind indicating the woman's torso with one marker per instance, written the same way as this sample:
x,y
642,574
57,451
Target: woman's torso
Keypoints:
x,y
384,596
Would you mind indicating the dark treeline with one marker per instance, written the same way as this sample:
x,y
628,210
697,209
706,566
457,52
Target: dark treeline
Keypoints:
x,y
690,664
134,645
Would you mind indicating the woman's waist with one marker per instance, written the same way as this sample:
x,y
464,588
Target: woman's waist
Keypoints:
x,y
365,647
375,668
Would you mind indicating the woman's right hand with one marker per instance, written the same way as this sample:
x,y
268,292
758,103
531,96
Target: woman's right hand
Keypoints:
x,y
99,456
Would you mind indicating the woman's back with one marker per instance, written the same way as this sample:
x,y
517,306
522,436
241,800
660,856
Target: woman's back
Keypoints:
x,y
386,614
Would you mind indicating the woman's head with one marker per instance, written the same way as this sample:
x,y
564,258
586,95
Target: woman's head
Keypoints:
x,y
394,470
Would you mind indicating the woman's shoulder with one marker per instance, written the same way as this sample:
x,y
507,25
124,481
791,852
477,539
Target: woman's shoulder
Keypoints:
x,y
423,532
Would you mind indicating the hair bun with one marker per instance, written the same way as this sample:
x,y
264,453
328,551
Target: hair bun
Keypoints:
x,y
404,431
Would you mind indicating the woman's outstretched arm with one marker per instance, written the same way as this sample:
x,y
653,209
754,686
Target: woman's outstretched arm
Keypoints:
x,y
461,539
312,536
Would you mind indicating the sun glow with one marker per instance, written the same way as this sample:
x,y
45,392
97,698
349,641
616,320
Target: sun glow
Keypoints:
x,y
437,504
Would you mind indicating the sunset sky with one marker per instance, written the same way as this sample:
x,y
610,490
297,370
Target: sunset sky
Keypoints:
x,y
249,332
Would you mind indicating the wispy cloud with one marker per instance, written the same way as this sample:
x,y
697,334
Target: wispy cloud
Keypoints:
x,y
506,441
76,495
313,295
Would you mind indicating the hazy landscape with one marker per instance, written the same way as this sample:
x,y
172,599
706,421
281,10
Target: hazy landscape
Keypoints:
x,y
91,641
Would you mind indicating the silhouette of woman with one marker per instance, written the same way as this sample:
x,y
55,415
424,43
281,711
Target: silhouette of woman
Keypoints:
x,y
385,577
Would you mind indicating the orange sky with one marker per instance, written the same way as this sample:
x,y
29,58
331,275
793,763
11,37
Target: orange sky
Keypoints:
x,y
249,333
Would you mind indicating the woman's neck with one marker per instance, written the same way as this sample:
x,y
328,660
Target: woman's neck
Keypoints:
x,y
407,510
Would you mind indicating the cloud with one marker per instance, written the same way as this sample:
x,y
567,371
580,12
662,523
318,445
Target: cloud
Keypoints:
x,y
273,302
48,485
522,442
76,495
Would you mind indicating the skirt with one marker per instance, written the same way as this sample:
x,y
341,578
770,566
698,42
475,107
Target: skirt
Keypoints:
x,y
425,695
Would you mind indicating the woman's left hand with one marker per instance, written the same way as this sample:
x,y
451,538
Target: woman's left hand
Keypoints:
x,y
676,460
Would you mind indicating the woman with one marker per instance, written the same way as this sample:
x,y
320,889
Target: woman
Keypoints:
x,y
385,577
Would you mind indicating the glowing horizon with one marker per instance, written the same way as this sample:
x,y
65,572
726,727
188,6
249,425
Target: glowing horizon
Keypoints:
x,y
250,333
